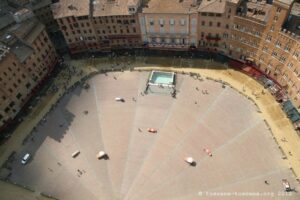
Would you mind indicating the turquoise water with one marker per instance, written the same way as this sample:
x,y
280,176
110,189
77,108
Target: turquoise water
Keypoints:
x,y
162,78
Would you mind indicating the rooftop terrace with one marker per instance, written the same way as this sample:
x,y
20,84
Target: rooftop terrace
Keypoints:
x,y
255,10
113,7
214,6
171,6
65,8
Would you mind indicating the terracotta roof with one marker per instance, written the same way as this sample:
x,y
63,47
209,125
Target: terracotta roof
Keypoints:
x,y
212,6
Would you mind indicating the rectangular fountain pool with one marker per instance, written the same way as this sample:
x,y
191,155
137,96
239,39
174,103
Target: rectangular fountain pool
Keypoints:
x,y
162,78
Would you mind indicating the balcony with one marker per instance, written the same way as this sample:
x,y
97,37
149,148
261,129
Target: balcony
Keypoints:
x,y
213,38
167,34
168,46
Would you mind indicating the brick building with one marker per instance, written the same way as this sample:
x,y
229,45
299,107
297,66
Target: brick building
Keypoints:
x,y
257,36
27,56
98,25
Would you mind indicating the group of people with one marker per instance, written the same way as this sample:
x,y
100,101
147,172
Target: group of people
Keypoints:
x,y
203,91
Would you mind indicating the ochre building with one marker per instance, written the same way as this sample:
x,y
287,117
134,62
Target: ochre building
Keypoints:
x,y
27,56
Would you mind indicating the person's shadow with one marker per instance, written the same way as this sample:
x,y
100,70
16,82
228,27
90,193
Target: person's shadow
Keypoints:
x,y
193,164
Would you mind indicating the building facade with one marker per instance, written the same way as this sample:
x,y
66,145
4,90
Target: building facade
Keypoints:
x,y
27,56
257,36
98,25
169,25
215,24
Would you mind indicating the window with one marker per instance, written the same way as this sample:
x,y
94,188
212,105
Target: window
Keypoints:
x,y
282,59
11,104
203,23
6,109
275,18
278,44
218,24
227,26
210,23
172,21
269,38
290,65
265,49
295,55
28,85
287,48
161,22
182,22
274,53
151,22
